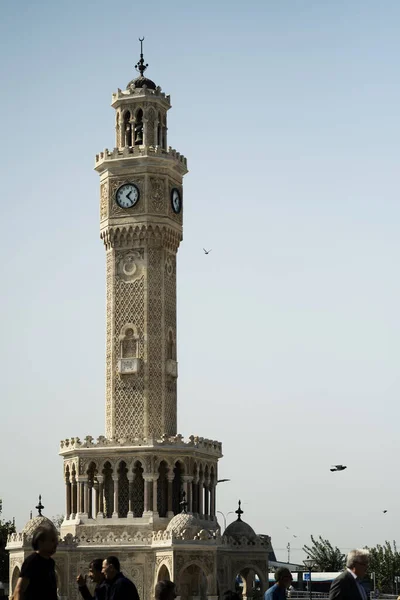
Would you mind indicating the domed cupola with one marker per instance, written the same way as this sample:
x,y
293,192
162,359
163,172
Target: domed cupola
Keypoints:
x,y
39,521
240,532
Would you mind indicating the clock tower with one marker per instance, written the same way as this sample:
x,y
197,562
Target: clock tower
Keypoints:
x,y
141,227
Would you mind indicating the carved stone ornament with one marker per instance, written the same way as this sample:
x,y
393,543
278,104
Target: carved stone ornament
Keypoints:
x,y
169,266
157,194
103,201
130,266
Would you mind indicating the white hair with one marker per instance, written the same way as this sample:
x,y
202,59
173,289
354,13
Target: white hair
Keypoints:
x,y
355,556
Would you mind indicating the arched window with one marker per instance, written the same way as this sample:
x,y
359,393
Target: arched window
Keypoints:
x,y
123,490
127,129
139,128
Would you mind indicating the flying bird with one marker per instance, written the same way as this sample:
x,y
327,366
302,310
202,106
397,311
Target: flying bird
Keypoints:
x,y
207,251
295,536
338,468
287,527
384,511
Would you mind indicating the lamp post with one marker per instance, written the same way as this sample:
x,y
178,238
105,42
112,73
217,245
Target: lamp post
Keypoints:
x,y
227,514
309,563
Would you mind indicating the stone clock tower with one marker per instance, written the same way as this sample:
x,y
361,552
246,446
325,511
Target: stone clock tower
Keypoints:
x,y
141,227
142,491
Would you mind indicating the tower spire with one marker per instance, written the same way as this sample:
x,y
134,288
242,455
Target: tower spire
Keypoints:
x,y
40,506
141,66
239,511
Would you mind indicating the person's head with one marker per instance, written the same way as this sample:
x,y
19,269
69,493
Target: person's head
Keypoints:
x,y
95,570
165,590
111,567
283,577
357,561
45,541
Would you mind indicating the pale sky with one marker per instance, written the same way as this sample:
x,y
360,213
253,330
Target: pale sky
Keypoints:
x,y
287,112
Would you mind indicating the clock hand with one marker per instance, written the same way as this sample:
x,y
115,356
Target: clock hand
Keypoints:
x,y
129,195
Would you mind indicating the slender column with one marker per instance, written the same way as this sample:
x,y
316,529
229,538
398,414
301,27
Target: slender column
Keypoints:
x,y
195,495
207,497
115,510
187,486
201,496
130,508
170,494
148,480
90,503
74,495
100,513
68,498
155,483
85,498
212,499
96,499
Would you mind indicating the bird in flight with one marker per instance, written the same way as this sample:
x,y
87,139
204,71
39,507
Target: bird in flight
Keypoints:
x,y
287,527
207,251
295,536
338,467
384,511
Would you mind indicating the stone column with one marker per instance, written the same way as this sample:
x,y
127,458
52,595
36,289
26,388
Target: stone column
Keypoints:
x,y
100,513
201,497
96,499
207,497
187,486
79,497
74,494
155,483
130,479
85,498
170,477
68,492
115,509
195,495
148,481
212,499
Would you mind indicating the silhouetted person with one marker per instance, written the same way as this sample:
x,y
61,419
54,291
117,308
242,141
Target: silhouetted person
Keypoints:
x,y
348,586
97,576
38,577
165,590
118,587
283,578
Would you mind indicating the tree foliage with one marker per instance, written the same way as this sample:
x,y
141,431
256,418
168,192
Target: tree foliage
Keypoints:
x,y
326,557
385,564
6,527
58,520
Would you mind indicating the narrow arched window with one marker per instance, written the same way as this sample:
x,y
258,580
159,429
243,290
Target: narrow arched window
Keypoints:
x,y
139,128
128,129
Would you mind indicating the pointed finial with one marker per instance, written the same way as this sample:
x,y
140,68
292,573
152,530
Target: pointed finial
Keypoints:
x,y
140,66
30,516
40,506
183,503
239,511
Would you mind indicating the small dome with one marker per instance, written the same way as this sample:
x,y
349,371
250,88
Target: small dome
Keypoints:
x,y
184,521
35,523
239,529
141,82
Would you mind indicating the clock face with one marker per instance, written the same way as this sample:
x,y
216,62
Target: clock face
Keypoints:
x,y
176,201
127,195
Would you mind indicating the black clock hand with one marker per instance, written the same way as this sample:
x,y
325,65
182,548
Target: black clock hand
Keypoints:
x,y
129,195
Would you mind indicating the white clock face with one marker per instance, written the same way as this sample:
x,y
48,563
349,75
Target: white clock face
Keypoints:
x,y
127,195
176,201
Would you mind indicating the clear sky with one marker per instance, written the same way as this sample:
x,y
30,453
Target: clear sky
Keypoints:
x,y
288,113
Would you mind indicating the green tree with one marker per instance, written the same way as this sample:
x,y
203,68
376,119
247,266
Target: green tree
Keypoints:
x,y
58,520
326,557
6,527
385,564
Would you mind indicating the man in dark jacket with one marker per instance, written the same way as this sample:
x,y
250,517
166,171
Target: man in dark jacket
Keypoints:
x,y
348,586
97,576
118,587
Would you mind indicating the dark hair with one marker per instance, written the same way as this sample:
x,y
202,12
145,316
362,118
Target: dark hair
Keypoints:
x,y
164,589
113,560
281,573
40,535
96,564
229,595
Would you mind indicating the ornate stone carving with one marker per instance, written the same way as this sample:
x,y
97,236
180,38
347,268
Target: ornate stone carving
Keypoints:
x,y
130,265
157,194
103,201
